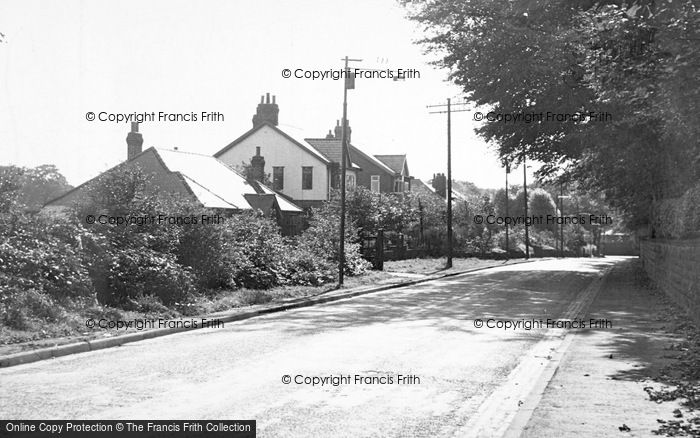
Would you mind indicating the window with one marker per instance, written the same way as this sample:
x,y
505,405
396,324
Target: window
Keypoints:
x,y
350,180
278,178
398,185
307,177
374,183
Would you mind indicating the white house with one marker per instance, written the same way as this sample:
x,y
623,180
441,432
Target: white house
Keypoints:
x,y
296,169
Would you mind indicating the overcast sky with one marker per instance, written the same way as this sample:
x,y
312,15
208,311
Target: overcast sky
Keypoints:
x,y
64,59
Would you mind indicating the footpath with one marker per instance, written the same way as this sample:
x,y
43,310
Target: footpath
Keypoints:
x,y
623,380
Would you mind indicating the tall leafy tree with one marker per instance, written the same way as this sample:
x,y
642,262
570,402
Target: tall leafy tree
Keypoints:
x,y
634,63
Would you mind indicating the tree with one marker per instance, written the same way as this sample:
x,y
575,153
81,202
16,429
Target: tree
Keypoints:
x,y
541,204
634,61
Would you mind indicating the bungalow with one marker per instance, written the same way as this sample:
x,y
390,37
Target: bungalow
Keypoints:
x,y
200,178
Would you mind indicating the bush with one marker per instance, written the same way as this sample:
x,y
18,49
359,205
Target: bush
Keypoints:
x,y
246,251
22,309
46,257
138,272
306,268
208,251
322,238
255,251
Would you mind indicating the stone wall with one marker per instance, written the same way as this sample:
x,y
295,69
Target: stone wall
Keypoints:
x,y
674,266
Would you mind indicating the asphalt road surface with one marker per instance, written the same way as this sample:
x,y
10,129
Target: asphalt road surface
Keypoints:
x,y
414,363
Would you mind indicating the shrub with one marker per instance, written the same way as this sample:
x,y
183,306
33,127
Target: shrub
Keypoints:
x,y
137,272
247,250
210,254
306,268
322,238
45,256
22,309
255,251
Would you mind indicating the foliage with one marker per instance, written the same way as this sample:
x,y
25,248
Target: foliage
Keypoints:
x,y
322,238
137,272
636,61
371,211
678,217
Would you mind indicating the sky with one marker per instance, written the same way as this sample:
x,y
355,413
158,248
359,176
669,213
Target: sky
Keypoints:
x,y
61,60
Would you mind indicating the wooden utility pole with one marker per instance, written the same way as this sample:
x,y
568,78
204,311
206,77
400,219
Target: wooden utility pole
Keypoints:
x,y
348,83
449,185
527,232
507,202
561,212
448,195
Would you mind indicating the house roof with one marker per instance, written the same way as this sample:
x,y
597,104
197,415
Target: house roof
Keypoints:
x,y
212,183
301,144
419,186
396,162
282,201
263,202
215,184
331,149
355,150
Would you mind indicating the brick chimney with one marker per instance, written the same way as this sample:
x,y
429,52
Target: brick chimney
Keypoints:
x,y
134,141
257,166
339,131
267,111
439,183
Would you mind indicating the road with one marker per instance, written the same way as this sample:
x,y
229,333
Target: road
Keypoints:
x,y
426,331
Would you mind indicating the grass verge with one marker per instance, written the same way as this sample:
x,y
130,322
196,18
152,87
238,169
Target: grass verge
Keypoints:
x,y
67,323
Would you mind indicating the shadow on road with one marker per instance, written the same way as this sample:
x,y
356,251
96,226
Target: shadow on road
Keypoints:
x,y
539,291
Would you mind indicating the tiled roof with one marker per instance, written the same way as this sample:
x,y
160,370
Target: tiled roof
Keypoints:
x,y
419,186
330,148
355,150
395,162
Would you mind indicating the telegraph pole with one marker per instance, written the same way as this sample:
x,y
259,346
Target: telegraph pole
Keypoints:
x,y
561,212
527,232
449,185
507,199
348,83
448,195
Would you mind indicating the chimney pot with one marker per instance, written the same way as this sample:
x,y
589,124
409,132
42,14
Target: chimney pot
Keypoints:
x,y
134,126
266,112
273,98
257,151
